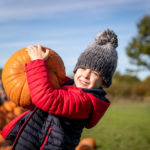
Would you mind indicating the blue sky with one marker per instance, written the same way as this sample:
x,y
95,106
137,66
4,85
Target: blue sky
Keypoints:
x,y
68,26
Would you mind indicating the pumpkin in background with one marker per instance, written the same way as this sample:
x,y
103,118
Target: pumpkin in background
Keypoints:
x,y
1,138
83,147
9,105
8,111
4,144
14,76
86,144
18,110
88,141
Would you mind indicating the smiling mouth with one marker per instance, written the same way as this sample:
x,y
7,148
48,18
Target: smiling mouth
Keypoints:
x,y
83,82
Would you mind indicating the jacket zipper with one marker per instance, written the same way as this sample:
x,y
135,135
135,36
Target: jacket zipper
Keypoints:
x,y
46,137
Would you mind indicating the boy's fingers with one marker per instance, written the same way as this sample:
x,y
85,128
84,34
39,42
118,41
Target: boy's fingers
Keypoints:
x,y
39,47
29,49
47,52
31,46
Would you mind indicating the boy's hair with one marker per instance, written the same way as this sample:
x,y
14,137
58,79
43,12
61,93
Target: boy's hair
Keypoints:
x,y
101,55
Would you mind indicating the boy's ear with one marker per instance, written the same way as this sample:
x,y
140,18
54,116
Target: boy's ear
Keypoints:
x,y
104,84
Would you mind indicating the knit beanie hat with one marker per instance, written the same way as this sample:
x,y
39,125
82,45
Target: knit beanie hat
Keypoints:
x,y
101,56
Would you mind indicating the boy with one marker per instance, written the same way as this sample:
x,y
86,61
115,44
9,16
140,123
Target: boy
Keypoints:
x,y
57,121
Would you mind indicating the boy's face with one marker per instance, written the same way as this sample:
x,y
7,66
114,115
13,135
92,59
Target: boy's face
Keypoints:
x,y
87,78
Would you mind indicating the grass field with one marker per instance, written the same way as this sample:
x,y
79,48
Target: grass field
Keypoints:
x,y
123,127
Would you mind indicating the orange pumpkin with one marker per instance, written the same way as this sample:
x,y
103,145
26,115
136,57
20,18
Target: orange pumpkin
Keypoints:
x,y
9,105
2,109
14,76
83,147
9,117
5,144
88,141
18,110
1,138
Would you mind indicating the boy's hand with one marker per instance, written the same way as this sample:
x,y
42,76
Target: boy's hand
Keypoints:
x,y
37,53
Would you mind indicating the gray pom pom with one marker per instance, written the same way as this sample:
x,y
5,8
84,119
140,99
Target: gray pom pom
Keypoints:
x,y
107,36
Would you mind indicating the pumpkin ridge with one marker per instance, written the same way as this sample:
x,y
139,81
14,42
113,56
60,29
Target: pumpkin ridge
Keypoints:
x,y
22,91
10,89
10,78
12,93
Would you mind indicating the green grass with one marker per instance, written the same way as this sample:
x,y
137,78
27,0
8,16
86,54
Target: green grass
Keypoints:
x,y
123,127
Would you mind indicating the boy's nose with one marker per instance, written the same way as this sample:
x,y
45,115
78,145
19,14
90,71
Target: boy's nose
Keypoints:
x,y
86,73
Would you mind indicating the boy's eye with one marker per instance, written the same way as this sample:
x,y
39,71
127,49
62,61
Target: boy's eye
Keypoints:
x,y
95,73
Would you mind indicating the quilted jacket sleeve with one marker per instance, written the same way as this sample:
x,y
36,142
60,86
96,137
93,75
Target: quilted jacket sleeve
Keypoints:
x,y
73,103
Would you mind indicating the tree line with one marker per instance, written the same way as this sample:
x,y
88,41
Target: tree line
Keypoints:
x,y
129,87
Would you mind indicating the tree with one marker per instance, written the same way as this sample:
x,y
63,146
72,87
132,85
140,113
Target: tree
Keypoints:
x,y
139,48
